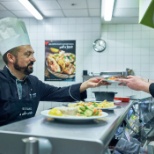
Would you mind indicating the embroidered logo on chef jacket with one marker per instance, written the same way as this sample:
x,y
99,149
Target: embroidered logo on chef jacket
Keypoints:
x,y
26,111
32,95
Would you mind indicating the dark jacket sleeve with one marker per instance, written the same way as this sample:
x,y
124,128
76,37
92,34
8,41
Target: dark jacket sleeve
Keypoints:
x,y
48,92
151,89
74,92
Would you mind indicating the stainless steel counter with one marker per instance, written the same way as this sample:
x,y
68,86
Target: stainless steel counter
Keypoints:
x,y
66,138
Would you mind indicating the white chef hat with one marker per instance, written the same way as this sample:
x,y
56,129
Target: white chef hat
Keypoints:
x,y
13,33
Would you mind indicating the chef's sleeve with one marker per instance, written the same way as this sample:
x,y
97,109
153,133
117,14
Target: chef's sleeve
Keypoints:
x,y
75,94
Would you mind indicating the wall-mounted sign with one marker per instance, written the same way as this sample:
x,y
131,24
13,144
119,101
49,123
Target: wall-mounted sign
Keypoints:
x,y
60,57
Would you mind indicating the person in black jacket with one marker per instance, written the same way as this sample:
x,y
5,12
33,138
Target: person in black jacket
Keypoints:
x,y
21,92
138,84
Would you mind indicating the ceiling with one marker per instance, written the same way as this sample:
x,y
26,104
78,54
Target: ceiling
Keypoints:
x,y
125,11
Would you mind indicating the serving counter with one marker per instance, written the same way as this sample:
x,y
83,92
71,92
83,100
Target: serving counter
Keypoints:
x,y
90,137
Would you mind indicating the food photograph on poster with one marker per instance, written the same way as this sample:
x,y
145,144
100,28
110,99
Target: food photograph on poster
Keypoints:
x,y
60,60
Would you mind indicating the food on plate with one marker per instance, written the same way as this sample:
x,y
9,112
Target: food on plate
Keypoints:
x,y
112,78
52,64
88,111
61,62
81,103
68,111
70,69
101,105
85,111
70,56
54,50
55,112
105,104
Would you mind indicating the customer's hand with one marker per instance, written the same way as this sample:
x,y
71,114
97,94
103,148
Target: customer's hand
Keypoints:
x,y
135,83
92,83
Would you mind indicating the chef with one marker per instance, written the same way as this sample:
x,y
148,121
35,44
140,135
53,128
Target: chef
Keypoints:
x,y
21,92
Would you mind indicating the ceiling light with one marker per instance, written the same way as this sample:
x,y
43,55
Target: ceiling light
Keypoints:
x,y
108,9
31,9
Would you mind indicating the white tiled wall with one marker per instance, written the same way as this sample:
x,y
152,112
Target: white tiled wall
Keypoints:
x,y
128,46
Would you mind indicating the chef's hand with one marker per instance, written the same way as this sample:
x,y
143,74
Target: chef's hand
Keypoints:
x,y
92,83
135,83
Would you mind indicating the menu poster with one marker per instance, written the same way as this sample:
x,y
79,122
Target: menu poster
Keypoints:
x,y
60,59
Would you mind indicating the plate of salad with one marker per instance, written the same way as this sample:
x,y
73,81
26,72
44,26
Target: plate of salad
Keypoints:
x,y
74,114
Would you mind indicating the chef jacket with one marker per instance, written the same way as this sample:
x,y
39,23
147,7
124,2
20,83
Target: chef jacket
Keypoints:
x,y
14,107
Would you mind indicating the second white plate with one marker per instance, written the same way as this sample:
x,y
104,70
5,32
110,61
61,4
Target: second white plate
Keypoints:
x,y
110,108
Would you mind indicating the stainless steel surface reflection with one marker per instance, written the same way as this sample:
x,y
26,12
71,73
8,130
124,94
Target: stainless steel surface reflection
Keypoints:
x,y
66,138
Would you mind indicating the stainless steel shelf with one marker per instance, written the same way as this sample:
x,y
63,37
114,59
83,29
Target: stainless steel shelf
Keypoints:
x,y
108,74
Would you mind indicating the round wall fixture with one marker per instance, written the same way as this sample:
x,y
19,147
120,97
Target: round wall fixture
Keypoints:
x,y
99,45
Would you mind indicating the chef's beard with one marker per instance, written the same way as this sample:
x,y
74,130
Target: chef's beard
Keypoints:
x,y
26,70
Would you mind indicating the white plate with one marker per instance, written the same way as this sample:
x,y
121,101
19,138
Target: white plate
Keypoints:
x,y
110,108
72,118
111,81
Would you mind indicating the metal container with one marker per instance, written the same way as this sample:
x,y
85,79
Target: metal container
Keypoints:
x,y
104,95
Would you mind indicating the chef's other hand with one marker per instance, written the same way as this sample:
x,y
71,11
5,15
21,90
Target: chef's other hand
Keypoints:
x,y
92,83
135,83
